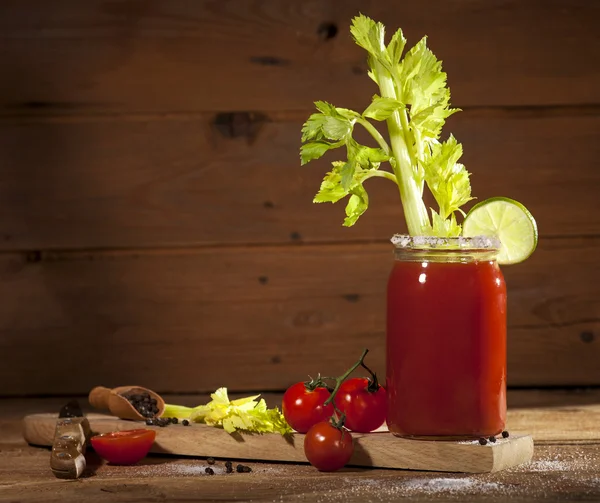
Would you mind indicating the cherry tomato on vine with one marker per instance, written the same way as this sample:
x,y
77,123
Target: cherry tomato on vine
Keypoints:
x,y
327,447
124,447
364,401
303,407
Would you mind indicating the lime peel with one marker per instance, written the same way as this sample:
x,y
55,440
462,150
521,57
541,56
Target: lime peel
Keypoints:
x,y
510,222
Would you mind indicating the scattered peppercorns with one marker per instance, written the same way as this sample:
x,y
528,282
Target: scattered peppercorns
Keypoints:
x,y
161,421
492,439
228,467
505,434
185,422
482,441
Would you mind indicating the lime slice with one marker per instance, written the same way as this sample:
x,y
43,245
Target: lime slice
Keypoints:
x,y
509,221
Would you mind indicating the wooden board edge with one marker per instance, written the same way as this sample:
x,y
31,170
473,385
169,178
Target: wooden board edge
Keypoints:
x,y
371,450
523,453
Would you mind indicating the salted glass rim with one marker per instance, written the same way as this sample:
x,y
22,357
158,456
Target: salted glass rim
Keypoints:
x,y
460,243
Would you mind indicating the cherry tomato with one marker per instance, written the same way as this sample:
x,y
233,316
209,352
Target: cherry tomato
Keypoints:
x,y
303,407
124,447
327,447
365,407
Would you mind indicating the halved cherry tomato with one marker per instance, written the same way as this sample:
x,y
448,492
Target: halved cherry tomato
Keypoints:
x,y
124,447
363,402
303,407
327,447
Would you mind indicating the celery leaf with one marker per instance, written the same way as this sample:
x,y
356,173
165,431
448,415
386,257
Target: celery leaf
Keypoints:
x,y
396,47
381,108
363,156
347,174
369,157
357,205
314,150
447,227
331,190
336,128
245,414
328,124
368,34
447,179
421,80
429,121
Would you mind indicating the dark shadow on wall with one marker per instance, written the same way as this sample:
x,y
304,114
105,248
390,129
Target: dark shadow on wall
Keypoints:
x,y
56,326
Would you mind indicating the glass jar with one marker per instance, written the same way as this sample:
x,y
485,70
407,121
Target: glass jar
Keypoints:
x,y
446,339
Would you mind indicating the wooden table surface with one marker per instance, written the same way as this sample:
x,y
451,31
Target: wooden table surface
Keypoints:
x,y
566,466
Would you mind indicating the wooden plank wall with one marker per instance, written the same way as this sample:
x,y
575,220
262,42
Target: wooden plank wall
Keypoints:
x,y
155,224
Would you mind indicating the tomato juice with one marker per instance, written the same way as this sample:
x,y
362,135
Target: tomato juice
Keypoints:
x,y
446,344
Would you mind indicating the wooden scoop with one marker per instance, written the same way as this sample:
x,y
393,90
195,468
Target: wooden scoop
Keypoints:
x,y
116,402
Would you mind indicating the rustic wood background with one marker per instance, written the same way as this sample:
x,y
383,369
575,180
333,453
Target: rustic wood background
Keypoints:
x,y
156,227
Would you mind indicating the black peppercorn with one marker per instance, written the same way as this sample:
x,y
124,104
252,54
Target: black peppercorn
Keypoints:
x,y
210,471
492,439
174,420
149,422
185,422
247,469
482,441
210,461
505,434
228,467
239,468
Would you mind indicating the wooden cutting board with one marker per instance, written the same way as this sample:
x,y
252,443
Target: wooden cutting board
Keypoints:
x,y
379,449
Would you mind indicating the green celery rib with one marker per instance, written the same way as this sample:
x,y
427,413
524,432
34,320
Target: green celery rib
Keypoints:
x,y
414,208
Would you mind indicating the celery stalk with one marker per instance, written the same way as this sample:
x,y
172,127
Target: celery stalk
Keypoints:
x,y
415,212
414,104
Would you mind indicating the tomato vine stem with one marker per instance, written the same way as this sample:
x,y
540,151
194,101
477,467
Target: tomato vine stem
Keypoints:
x,y
339,380
319,382
373,386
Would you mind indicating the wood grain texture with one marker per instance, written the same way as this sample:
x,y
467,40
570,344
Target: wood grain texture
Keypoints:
x,y
271,55
375,450
557,473
171,130
261,318
555,399
559,425
143,182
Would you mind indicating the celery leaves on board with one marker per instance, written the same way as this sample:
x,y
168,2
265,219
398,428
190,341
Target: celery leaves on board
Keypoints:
x,y
414,103
246,414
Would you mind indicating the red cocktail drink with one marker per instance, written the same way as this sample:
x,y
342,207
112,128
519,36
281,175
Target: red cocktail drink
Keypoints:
x,y
446,340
